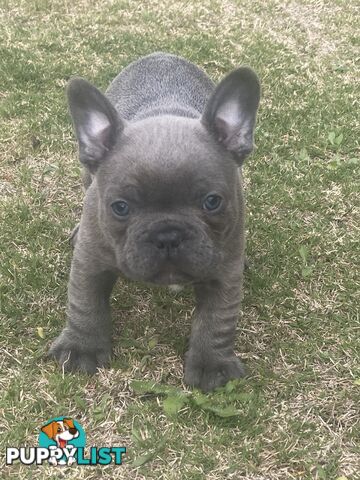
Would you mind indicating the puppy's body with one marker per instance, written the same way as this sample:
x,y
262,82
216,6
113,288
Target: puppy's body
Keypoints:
x,y
165,205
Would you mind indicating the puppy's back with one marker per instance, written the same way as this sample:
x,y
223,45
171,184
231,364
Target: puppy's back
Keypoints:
x,y
160,84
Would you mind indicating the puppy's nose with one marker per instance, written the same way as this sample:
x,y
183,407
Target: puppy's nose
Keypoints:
x,y
169,238
72,431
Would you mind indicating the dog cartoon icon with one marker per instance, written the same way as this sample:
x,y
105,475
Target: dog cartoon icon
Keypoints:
x,y
61,432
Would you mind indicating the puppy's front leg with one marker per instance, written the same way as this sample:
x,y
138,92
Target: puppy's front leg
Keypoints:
x,y
85,342
210,361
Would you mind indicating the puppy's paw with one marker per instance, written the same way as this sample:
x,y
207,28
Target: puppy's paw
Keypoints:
x,y
209,375
72,355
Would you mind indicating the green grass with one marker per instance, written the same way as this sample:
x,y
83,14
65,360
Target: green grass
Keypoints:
x,y
296,416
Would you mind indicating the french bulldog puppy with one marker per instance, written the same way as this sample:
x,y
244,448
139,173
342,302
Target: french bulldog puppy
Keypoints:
x,y
164,205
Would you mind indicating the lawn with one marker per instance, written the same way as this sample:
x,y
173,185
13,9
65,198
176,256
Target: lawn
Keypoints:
x,y
297,414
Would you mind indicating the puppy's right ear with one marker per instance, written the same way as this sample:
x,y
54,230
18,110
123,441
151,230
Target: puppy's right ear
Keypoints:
x,y
97,124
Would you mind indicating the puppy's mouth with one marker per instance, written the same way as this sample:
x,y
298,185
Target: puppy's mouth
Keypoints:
x,y
169,274
62,443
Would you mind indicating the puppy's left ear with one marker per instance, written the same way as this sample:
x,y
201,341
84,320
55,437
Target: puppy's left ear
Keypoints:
x,y
69,422
230,113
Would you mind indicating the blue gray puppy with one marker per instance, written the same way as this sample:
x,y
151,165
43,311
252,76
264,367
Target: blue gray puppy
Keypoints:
x,y
164,205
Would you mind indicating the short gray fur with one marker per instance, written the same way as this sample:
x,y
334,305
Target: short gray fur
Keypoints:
x,y
175,87
160,150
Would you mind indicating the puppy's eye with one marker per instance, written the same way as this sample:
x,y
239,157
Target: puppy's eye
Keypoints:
x,y
120,208
212,202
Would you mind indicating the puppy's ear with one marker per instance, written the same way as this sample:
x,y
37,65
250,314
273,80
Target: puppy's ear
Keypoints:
x,y
230,113
69,422
97,124
50,429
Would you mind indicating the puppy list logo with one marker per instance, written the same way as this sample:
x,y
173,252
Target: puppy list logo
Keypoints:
x,y
62,442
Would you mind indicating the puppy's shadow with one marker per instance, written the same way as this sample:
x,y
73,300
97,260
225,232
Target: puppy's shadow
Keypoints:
x,y
141,312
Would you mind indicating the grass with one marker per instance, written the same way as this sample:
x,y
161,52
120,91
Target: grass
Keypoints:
x,y
296,416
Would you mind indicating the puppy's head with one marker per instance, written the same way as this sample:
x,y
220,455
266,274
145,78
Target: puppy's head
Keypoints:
x,y
167,187
61,431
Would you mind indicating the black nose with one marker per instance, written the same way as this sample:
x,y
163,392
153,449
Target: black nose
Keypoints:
x,y
72,431
168,238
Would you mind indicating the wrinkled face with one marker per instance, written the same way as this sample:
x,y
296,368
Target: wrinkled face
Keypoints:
x,y
169,199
